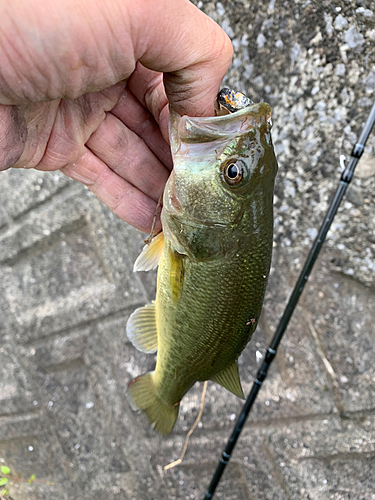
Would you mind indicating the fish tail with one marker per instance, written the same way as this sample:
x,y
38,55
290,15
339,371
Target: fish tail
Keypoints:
x,y
142,395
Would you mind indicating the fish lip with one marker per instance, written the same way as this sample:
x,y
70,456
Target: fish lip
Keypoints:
x,y
207,129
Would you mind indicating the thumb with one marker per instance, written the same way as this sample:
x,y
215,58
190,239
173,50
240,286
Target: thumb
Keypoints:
x,y
192,51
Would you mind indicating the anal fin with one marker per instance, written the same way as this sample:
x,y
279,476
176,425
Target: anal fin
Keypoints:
x,y
230,380
149,257
141,328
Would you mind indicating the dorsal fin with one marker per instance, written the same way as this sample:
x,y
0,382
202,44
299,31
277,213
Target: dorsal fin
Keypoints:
x,y
141,328
149,257
230,380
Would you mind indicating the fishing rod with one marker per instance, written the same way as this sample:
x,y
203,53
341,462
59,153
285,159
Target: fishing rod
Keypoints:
x,y
345,179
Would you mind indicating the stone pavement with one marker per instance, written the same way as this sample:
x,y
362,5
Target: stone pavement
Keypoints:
x,y
67,289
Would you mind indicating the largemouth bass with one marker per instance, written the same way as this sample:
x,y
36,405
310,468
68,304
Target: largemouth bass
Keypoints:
x,y
214,256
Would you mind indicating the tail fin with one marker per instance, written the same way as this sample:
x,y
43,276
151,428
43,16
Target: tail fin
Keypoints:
x,y
142,395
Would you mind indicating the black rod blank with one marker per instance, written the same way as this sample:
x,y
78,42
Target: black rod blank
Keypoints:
x,y
346,177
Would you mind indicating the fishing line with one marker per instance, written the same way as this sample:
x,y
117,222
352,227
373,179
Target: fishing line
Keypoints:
x,y
346,177
184,448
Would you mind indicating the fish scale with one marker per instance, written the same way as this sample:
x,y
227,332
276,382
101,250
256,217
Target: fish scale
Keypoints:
x,y
214,257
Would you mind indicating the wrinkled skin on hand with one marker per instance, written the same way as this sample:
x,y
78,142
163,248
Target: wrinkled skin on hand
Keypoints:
x,y
84,88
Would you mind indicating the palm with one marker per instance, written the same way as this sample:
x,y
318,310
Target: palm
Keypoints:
x,y
109,140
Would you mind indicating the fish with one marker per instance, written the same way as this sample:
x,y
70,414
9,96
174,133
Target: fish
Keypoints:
x,y
213,256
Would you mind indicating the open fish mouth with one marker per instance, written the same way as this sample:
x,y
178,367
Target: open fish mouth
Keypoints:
x,y
236,116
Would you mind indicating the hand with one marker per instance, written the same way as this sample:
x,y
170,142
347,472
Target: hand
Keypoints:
x,y
85,84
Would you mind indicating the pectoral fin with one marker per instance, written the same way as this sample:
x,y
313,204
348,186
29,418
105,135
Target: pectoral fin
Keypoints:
x,y
176,274
141,328
149,257
230,380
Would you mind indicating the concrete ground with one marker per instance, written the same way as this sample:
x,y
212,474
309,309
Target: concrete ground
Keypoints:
x,y
67,289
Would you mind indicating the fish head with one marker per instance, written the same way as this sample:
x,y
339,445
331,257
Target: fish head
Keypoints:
x,y
223,166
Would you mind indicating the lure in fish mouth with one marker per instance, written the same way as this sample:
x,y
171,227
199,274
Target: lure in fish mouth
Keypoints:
x,y
213,255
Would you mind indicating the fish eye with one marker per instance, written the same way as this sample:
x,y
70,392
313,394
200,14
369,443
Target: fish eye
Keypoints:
x,y
233,172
